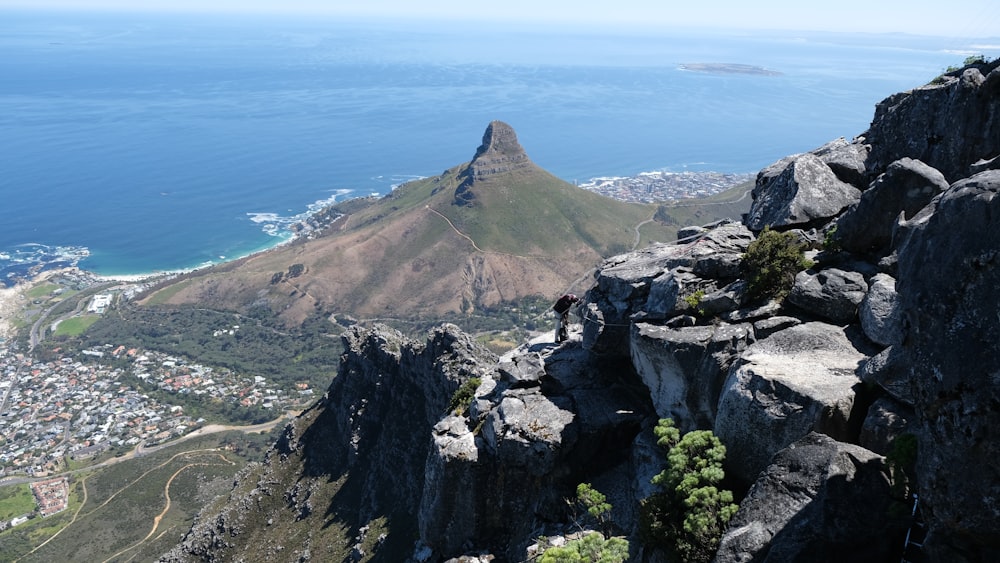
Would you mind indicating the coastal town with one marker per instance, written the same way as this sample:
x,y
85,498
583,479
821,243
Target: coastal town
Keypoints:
x,y
662,186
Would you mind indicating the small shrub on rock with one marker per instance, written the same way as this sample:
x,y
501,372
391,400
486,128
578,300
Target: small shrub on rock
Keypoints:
x,y
771,262
463,396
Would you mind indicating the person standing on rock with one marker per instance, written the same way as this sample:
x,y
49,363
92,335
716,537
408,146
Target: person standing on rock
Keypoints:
x,y
562,308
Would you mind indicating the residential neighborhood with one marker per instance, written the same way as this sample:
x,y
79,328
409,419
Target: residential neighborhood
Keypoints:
x,y
76,408
661,186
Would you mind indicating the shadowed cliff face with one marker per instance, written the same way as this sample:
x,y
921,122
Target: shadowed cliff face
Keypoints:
x,y
499,154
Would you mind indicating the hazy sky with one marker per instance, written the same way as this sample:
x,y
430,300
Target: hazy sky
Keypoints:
x,y
958,18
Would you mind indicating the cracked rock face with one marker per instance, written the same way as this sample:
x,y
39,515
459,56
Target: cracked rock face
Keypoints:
x,y
904,188
949,272
685,368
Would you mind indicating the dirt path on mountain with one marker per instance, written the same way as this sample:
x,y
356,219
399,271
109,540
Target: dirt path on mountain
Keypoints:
x,y
454,228
166,494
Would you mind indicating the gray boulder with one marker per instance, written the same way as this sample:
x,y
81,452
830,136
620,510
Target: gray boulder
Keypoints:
x,y
685,368
522,370
831,293
717,253
886,421
889,371
798,190
951,125
949,271
621,288
666,292
723,300
905,188
846,160
820,500
879,311
766,327
797,380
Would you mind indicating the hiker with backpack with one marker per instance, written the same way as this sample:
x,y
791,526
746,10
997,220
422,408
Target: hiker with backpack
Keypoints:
x,y
562,307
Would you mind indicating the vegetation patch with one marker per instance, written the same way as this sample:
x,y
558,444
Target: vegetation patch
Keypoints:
x,y
75,326
771,262
164,295
687,516
15,500
42,290
462,399
112,510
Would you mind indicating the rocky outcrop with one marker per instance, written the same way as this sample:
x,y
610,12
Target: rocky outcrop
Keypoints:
x,y
499,154
796,381
654,282
949,272
798,191
499,476
903,189
846,160
352,459
819,500
952,124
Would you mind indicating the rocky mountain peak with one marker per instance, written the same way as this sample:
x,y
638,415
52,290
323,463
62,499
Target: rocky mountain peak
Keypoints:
x,y
499,138
499,154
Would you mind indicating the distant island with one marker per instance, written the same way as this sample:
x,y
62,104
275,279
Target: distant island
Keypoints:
x,y
728,68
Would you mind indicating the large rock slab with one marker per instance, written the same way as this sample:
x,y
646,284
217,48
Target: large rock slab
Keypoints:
x,y
796,381
684,368
831,293
820,500
905,188
798,190
949,272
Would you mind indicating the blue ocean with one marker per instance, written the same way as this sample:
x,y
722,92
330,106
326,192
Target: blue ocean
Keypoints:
x,y
143,143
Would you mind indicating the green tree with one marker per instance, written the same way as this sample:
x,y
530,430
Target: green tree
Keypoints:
x,y
596,505
771,262
689,513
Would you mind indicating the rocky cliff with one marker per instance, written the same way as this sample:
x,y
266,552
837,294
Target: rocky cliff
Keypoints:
x,y
891,331
500,154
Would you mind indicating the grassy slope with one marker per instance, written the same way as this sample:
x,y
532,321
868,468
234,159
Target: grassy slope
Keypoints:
x,y
528,234
122,501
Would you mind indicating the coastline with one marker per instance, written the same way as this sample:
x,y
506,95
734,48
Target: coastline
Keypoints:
x,y
642,187
12,299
